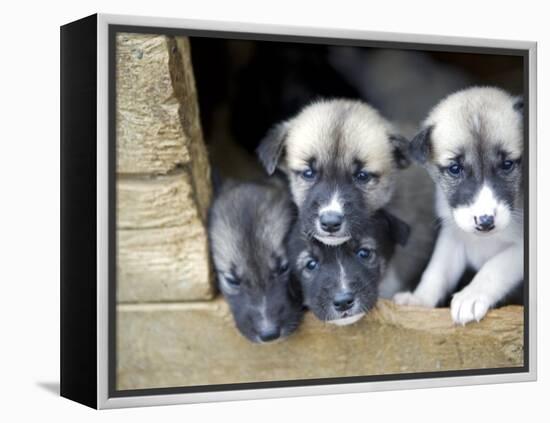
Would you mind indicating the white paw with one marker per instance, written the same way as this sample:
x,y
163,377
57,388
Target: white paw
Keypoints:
x,y
409,298
469,305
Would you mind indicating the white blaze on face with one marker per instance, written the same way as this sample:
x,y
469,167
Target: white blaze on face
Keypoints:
x,y
343,277
485,204
344,287
334,205
265,323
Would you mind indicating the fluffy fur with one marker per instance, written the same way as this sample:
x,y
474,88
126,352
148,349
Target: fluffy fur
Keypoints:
x,y
340,157
248,226
340,284
358,164
471,144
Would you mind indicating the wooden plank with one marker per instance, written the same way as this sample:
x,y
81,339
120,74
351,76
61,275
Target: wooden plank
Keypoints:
x,y
150,137
185,89
158,125
155,202
163,264
163,181
167,345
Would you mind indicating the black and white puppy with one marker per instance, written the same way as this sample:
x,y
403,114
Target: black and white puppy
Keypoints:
x,y
344,162
248,228
472,146
340,284
341,158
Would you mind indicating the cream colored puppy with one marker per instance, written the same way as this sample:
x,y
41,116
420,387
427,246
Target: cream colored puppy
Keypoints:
x,y
344,161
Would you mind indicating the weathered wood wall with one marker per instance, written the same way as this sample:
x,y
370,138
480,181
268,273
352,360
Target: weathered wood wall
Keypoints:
x,y
163,186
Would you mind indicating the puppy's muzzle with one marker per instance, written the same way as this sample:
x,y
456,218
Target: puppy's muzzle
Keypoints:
x,y
269,334
484,223
343,301
331,221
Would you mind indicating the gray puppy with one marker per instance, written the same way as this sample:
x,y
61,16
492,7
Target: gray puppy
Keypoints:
x,y
340,284
248,226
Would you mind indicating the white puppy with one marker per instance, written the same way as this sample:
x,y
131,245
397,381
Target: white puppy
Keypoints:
x,y
471,144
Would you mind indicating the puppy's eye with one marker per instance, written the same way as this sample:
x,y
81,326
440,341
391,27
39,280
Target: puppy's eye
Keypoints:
x,y
365,253
308,174
507,165
455,169
283,267
362,176
312,264
231,280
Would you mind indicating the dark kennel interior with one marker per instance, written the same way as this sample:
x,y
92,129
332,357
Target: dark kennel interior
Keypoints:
x,y
246,86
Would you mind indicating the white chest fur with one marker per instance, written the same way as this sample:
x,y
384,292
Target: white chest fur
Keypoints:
x,y
480,248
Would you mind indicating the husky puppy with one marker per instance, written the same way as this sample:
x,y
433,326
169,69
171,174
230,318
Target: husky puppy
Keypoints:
x,y
472,144
341,158
248,227
340,284
344,162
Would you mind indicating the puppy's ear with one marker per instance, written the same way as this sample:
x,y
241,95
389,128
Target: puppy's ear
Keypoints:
x,y
401,152
399,231
421,145
518,104
271,147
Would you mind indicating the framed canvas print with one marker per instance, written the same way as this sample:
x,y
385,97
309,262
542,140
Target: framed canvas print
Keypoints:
x,y
254,211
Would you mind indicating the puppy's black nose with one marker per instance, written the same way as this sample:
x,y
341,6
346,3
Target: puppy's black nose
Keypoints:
x,y
343,301
331,221
485,223
270,334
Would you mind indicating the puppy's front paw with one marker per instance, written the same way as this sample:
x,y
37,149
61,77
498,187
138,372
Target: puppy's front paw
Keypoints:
x,y
469,305
409,298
